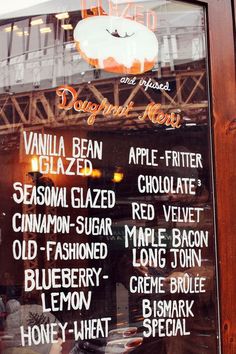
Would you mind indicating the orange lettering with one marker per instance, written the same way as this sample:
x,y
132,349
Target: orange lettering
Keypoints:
x,y
69,99
62,92
87,10
125,12
139,16
151,20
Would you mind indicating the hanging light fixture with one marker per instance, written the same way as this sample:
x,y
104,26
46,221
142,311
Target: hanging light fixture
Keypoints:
x,y
62,16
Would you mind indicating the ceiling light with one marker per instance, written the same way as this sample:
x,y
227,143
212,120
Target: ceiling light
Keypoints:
x,y
62,15
34,164
67,26
45,30
8,29
118,177
96,173
21,33
36,22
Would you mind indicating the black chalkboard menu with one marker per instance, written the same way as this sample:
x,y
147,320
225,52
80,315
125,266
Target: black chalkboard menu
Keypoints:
x,y
108,243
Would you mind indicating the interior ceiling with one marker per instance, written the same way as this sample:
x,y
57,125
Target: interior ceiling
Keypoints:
x,y
40,7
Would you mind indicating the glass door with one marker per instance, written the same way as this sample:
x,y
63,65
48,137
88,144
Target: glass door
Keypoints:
x,y
108,237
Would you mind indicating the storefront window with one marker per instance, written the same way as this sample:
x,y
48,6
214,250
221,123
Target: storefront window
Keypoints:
x,y
107,205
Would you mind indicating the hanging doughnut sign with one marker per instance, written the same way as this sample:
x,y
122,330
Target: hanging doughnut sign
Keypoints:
x,y
116,44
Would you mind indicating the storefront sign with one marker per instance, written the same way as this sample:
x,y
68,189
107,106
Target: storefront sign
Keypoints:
x,y
107,220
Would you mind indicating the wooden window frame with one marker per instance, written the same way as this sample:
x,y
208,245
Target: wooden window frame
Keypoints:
x,y
221,47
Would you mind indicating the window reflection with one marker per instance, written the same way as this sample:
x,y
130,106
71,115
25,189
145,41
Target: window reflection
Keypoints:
x,y
39,54
179,30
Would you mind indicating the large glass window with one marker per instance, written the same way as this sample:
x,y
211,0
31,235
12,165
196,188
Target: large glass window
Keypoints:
x,y
107,205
